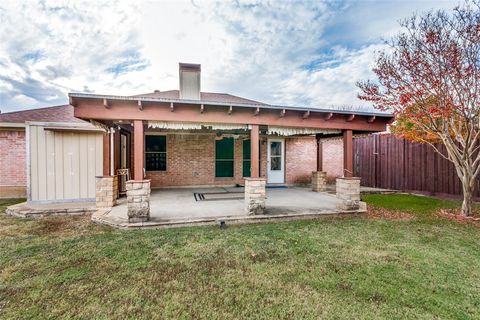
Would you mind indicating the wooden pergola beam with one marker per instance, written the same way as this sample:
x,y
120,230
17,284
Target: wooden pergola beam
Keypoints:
x,y
328,116
71,101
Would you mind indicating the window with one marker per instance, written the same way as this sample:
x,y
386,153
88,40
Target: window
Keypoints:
x,y
224,158
246,158
155,153
275,156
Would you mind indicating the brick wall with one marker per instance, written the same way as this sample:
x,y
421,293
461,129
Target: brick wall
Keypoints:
x,y
301,160
333,158
191,161
12,163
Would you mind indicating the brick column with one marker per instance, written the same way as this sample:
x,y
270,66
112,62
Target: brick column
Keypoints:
x,y
106,191
255,195
348,191
138,200
319,181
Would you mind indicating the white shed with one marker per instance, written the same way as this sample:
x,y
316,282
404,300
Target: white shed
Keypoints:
x,y
63,160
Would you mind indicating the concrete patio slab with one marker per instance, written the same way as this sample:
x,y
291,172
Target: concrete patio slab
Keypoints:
x,y
178,207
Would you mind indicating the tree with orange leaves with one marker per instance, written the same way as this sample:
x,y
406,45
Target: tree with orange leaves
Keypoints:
x,y
429,76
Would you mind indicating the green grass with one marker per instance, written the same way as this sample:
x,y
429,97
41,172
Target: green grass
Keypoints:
x,y
411,203
333,269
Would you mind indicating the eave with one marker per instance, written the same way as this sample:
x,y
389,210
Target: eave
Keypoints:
x,y
141,100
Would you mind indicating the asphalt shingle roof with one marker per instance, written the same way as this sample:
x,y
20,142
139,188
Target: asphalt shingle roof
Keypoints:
x,y
48,114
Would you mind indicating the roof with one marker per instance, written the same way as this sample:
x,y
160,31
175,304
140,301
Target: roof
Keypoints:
x,y
204,96
48,114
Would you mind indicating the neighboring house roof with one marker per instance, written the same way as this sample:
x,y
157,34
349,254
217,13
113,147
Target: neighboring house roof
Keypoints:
x,y
204,96
48,114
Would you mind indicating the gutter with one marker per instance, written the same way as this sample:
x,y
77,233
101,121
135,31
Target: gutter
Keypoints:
x,y
226,104
12,125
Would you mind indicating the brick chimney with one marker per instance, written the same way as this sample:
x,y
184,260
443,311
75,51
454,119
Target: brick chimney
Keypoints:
x,y
189,81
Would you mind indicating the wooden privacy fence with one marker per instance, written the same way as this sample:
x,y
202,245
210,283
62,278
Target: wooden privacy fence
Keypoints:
x,y
384,161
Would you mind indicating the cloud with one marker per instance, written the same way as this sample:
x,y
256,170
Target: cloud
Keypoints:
x,y
283,52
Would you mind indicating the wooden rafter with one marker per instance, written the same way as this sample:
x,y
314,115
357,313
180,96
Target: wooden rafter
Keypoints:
x,y
282,113
202,108
350,117
230,110
371,119
105,103
71,101
306,115
257,111
329,116
171,106
140,105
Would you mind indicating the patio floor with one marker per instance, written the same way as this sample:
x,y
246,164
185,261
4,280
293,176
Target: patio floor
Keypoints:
x,y
180,206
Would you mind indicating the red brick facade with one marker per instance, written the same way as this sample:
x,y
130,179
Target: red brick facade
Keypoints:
x,y
301,160
12,163
191,161
333,158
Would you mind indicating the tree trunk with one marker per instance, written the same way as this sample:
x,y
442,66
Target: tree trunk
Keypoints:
x,y
467,196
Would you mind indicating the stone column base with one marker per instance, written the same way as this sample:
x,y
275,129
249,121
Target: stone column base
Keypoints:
x,y
319,181
348,191
255,195
106,191
138,200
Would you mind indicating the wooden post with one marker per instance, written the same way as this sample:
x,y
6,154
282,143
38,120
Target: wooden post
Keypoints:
x,y
347,153
254,154
106,154
319,154
138,148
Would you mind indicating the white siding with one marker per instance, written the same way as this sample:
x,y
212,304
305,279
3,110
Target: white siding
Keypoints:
x,y
63,164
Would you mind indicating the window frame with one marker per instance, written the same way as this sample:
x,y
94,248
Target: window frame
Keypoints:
x,y
145,150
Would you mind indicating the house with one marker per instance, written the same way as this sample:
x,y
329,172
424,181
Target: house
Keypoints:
x,y
178,138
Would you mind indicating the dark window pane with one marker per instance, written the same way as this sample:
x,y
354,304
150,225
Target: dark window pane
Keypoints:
x,y
224,149
224,168
155,143
155,161
224,157
246,168
246,149
275,163
246,158
275,148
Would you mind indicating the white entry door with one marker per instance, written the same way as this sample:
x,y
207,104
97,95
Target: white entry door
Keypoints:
x,y
276,161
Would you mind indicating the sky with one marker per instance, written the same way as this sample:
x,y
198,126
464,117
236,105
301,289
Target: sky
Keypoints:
x,y
293,53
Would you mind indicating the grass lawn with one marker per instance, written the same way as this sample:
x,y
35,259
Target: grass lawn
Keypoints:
x,y
364,268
